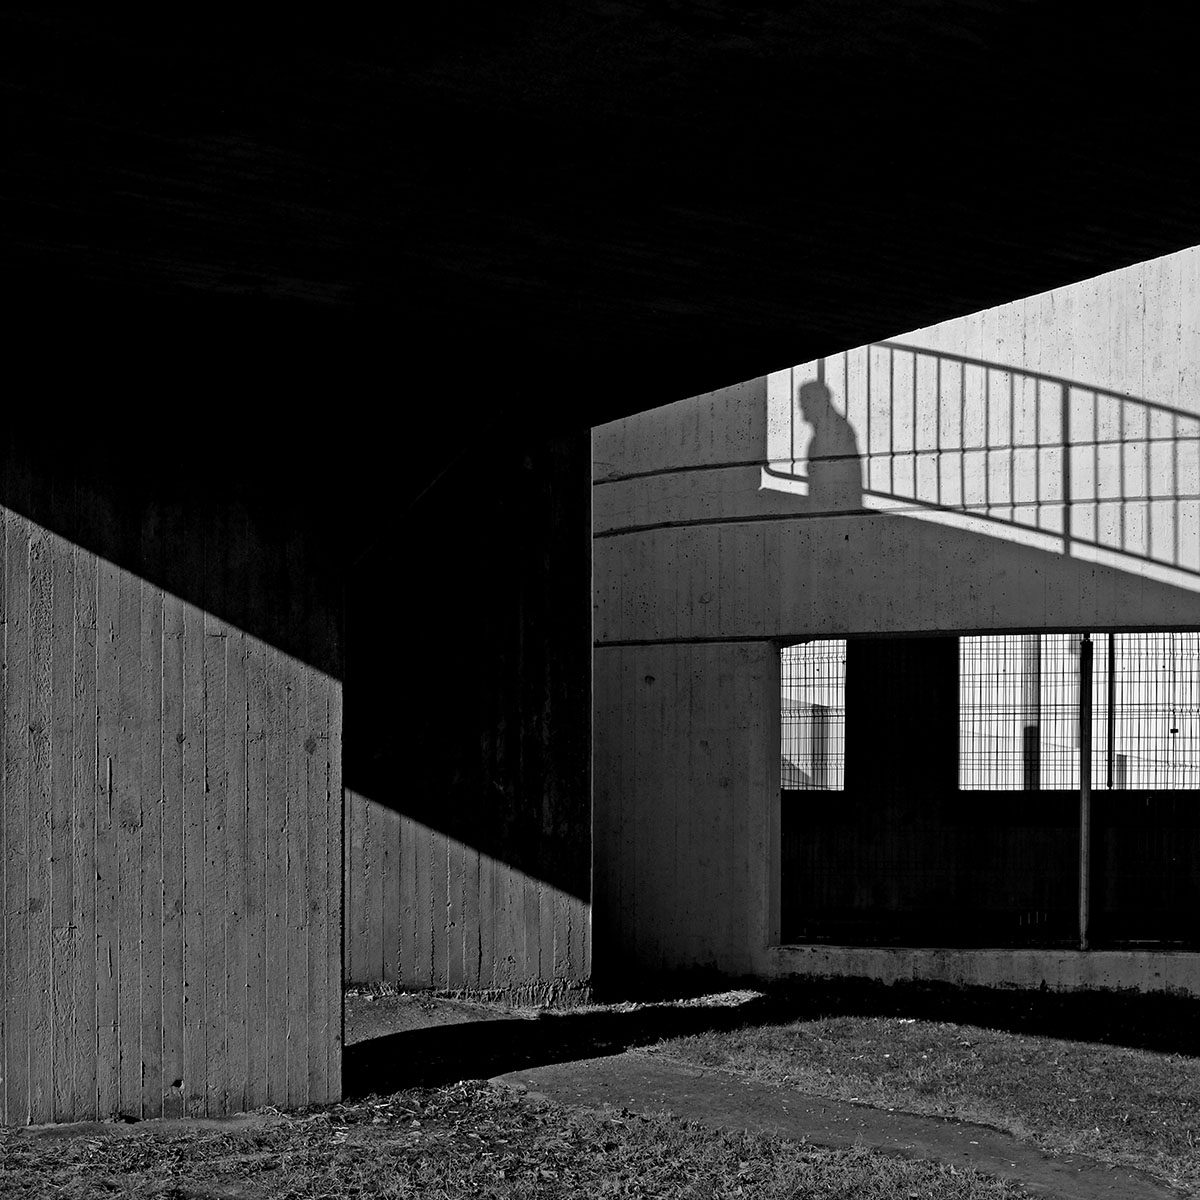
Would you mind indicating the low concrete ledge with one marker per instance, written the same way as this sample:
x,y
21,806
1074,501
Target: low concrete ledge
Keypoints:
x,y
1171,972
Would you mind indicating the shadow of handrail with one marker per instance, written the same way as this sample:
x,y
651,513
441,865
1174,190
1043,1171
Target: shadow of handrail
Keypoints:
x,y
1012,369
1087,469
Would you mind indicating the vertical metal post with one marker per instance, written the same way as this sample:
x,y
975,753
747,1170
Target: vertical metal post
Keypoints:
x,y
1031,711
1112,702
819,749
1085,787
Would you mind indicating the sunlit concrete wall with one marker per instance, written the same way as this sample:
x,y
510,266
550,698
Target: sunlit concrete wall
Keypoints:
x,y
1068,422
170,797
710,550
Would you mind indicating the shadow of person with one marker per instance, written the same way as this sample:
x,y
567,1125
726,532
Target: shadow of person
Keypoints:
x,y
834,463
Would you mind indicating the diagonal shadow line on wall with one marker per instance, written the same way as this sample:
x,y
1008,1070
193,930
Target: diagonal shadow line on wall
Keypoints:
x,y
468,696
254,540
454,726
162,778
176,517
227,537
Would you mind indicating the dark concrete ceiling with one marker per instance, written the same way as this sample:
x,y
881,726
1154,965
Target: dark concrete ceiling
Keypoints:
x,y
393,233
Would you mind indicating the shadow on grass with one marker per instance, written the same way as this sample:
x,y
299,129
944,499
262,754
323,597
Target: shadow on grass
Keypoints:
x,y
1164,1023
480,1049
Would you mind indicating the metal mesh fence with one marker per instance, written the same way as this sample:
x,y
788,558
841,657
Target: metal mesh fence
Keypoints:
x,y
1020,706
1019,709
813,710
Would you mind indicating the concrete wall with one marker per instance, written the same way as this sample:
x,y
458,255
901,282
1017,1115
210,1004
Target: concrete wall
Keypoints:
x,y
1133,331
1068,422
683,820
170,794
698,551
468,855
1056,970
703,565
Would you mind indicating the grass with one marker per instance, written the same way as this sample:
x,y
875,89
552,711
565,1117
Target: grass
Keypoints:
x,y
466,1140
1136,1108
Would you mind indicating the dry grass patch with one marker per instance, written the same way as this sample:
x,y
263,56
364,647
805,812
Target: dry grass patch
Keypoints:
x,y
1133,1107
466,1140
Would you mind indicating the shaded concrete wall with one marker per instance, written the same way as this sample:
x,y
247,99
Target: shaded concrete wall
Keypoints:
x,y
1058,970
170,794
683,823
468,854
700,573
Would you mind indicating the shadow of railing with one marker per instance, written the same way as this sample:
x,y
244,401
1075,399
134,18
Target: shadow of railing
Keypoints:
x,y
1092,472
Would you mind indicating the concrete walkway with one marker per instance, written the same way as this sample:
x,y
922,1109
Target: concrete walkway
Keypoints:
x,y
647,1082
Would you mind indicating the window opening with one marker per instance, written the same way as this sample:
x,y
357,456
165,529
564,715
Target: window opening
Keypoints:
x,y
813,711
903,855
1019,712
